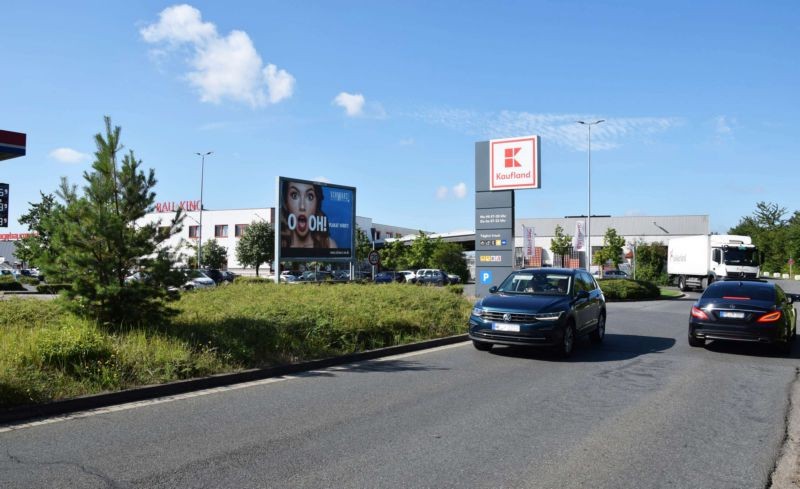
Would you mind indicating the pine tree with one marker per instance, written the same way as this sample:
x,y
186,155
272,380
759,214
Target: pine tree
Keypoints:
x,y
98,243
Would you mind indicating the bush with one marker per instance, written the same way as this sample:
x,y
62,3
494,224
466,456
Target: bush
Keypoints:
x,y
627,289
28,280
7,283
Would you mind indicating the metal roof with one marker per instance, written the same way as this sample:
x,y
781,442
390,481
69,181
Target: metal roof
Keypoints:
x,y
628,226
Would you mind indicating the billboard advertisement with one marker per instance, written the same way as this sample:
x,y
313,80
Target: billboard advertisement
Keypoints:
x,y
316,221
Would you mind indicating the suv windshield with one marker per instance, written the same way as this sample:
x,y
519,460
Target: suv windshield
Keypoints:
x,y
744,257
536,283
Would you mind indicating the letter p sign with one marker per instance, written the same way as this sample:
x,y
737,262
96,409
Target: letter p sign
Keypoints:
x,y
486,277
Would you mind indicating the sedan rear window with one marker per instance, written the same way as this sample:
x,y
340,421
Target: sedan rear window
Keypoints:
x,y
740,291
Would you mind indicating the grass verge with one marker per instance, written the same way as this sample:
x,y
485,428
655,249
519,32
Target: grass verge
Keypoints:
x,y
46,353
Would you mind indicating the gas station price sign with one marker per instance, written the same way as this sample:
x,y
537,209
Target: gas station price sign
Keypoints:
x,y
3,205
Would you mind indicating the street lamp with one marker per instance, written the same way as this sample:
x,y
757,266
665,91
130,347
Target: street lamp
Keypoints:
x,y
589,213
200,234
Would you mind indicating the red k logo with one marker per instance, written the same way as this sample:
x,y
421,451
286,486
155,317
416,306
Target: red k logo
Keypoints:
x,y
510,159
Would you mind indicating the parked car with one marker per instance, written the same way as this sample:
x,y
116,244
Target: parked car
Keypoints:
x,y
452,278
410,276
196,279
215,275
431,276
341,275
310,276
615,274
8,273
389,277
540,307
229,276
751,311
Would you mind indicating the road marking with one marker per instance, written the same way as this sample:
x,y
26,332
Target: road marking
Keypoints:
x,y
215,390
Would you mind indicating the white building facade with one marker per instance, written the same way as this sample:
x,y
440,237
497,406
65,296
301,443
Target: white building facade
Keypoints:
x,y
226,227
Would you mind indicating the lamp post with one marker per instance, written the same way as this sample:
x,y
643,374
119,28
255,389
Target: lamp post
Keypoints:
x,y
200,234
589,212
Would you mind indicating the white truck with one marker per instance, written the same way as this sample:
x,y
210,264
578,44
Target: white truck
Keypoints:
x,y
697,261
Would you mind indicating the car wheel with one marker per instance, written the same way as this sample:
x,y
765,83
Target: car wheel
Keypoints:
x,y
567,341
696,342
481,346
682,283
598,334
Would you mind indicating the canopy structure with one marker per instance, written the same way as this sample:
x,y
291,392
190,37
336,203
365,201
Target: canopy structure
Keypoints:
x,y
12,144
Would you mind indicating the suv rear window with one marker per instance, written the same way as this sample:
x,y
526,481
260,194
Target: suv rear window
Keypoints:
x,y
740,290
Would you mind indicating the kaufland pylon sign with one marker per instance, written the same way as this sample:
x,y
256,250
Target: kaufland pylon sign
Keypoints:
x,y
514,163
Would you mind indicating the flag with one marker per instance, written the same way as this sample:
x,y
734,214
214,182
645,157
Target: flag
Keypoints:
x,y
527,242
579,237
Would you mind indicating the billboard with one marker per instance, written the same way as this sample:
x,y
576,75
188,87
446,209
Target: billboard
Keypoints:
x,y
316,221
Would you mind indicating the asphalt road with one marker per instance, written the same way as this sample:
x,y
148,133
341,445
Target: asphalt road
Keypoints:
x,y
642,410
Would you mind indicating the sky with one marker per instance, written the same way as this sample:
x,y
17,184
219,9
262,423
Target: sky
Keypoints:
x,y
700,101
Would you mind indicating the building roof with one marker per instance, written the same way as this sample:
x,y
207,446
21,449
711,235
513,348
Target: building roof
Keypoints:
x,y
629,226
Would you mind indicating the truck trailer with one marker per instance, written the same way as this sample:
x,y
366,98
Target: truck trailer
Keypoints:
x,y
697,261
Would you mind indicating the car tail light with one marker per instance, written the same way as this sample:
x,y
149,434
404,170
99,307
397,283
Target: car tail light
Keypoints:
x,y
736,298
770,318
698,313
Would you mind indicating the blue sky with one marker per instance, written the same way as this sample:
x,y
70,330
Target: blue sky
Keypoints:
x,y
700,98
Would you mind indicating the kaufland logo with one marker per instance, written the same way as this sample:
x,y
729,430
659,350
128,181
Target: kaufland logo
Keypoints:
x,y
514,163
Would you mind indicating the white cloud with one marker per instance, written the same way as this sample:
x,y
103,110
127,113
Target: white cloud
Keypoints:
x,y
69,155
441,192
460,190
222,67
723,125
723,128
353,103
321,179
560,129
407,142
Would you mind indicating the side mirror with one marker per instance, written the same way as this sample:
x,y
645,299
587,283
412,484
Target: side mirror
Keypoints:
x,y
583,294
793,298
493,289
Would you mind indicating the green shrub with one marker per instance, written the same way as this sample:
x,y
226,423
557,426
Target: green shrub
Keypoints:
x,y
7,283
627,289
28,280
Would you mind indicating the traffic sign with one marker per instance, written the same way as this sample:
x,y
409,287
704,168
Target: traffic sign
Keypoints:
x,y
791,261
373,258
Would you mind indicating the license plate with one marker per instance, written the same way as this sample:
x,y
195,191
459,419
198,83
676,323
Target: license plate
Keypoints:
x,y
505,327
731,315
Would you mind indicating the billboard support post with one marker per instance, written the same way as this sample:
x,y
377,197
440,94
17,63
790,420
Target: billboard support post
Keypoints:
x,y
277,230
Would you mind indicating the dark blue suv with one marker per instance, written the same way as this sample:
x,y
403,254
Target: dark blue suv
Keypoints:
x,y
540,307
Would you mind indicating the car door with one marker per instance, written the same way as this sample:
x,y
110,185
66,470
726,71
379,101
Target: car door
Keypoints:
x,y
586,306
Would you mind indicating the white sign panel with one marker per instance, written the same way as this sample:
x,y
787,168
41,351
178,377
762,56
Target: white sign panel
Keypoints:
x,y
514,163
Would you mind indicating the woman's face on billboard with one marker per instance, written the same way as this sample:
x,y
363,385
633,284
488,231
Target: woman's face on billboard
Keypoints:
x,y
301,200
